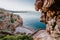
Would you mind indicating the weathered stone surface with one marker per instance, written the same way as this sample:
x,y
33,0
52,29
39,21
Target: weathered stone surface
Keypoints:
x,y
51,16
42,35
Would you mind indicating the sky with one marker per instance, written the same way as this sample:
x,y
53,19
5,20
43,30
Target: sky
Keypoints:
x,y
19,5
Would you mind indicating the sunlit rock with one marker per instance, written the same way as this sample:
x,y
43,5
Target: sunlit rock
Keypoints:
x,y
51,11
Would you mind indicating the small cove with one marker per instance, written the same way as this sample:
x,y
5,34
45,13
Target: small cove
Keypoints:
x,y
32,20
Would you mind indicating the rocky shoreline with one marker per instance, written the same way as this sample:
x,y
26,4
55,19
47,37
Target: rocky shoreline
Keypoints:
x,y
9,21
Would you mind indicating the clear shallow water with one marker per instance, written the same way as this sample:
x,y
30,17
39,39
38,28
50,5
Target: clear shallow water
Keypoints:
x,y
32,19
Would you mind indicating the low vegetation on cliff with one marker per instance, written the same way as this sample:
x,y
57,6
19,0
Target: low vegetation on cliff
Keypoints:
x,y
16,37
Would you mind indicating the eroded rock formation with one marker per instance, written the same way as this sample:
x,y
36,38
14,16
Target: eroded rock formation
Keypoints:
x,y
50,15
9,21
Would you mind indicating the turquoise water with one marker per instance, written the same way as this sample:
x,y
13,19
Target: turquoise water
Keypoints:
x,y
32,19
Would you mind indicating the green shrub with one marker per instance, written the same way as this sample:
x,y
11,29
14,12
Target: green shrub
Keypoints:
x,y
12,20
9,38
18,37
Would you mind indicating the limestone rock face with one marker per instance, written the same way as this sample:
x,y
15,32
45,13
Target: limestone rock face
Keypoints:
x,y
42,35
9,21
43,4
51,16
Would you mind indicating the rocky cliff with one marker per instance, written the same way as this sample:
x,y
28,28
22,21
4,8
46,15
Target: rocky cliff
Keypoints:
x,y
9,21
50,15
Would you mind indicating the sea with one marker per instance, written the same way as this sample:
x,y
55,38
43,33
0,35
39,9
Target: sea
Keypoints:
x,y
32,20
